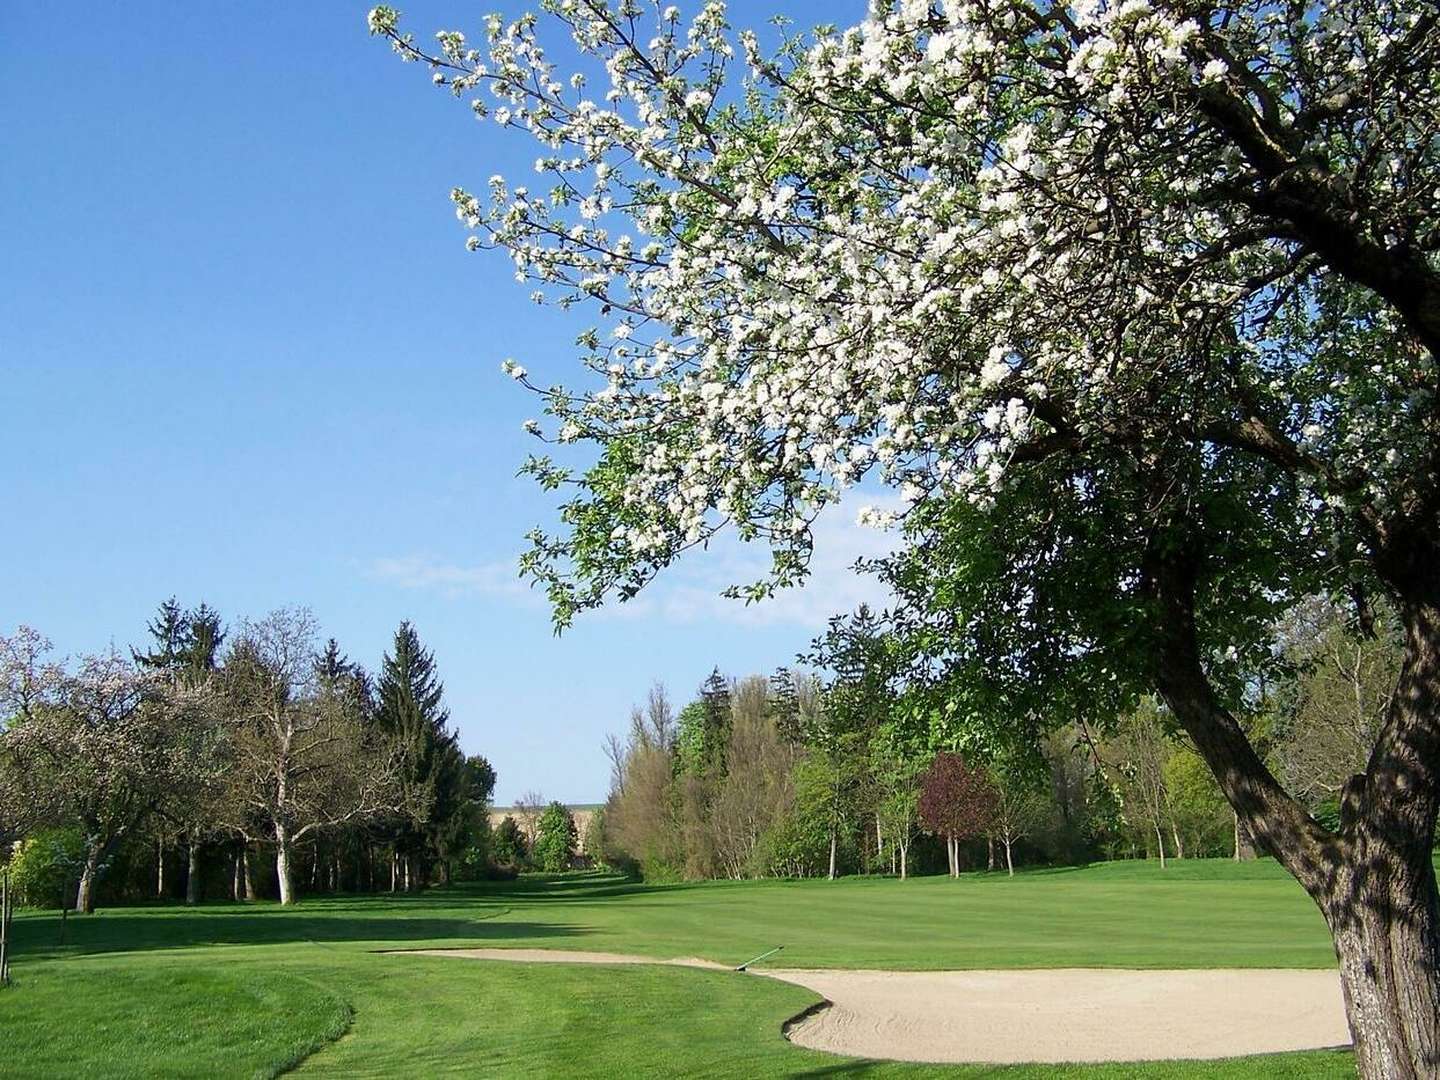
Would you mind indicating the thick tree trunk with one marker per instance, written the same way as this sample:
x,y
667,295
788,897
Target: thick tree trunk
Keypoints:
x,y
833,843
192,873
879,837
1373,878
1381,900
1386,925
1009,862
85,891
989,852
283,868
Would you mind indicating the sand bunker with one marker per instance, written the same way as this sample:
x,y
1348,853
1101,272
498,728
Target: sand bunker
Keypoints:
x,y
1084,1014
1072,1014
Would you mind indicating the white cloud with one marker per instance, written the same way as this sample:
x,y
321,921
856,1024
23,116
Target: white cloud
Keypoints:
x,y
689,591
498,578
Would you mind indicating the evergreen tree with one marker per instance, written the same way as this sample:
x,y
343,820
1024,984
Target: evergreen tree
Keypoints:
x,y
784,703
715,694
185,643
203,638
170,634
410,711
479,779
508,846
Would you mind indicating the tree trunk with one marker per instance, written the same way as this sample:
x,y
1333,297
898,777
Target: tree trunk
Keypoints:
x,y
85,891
1373,878
1386,924
1244,846
1160,844
160,869
989,852
833,841
1381,901
904,847
879,838
237,879
1175,835
249,871
282,865
394,869
192,873
1009,862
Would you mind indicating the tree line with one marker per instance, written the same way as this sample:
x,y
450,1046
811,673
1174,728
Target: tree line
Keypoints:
x,y
844,768
244,762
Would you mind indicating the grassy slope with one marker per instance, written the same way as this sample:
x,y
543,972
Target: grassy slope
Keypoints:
x,y
214,1010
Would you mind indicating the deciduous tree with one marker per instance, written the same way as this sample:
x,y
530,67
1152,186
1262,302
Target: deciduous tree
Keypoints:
x,y
555,839
305,760
1137,305
957,801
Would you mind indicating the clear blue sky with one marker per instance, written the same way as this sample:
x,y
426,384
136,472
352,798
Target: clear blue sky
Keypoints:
x,y
244,358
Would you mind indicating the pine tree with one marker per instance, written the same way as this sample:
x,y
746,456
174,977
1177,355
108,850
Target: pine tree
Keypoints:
x,y
715,693
170,633
203,639
410,711
784,703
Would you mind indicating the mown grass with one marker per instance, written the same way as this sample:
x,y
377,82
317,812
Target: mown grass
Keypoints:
x,y
231,990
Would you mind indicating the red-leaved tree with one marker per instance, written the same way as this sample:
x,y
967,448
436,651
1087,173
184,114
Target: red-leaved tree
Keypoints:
x,y
957,801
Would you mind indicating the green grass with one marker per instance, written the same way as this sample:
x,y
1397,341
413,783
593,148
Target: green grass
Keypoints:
x,y
230,990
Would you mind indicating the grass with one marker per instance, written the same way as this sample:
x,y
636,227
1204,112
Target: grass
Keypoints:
x,y
256,990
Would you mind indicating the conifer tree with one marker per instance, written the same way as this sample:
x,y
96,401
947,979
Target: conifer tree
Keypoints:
x,y
203,637
170,634
410,710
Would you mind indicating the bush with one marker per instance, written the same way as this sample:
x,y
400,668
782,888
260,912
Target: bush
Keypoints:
x,y
45,868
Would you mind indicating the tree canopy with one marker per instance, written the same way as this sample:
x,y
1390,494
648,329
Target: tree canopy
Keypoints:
x,y
1134,304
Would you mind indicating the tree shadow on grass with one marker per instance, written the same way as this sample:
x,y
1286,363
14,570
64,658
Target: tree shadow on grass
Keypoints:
x,y
122,930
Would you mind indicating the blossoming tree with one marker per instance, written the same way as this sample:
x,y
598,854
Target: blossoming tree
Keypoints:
x,y
99,743
1135,302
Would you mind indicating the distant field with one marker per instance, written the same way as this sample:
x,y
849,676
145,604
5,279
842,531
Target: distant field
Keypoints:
x,y
242,990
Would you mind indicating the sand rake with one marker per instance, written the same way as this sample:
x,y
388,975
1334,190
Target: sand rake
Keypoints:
x,y
757,959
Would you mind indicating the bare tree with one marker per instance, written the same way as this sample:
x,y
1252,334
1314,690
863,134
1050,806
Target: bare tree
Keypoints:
x,y
1019,809
528,809
1138,753
1344,689
304,760
757,790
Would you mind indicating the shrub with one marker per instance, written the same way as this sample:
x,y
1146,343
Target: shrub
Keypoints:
x,y
45,868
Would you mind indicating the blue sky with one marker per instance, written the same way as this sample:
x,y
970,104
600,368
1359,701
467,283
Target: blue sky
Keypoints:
x,y
245,358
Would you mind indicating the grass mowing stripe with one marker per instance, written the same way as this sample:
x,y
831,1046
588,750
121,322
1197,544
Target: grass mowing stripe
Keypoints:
x,y
234,990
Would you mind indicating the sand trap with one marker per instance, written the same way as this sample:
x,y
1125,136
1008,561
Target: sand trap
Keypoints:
x,y
1073,1014
1084,1014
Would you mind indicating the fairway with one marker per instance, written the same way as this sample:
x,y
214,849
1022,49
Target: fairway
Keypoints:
x,y
242,990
